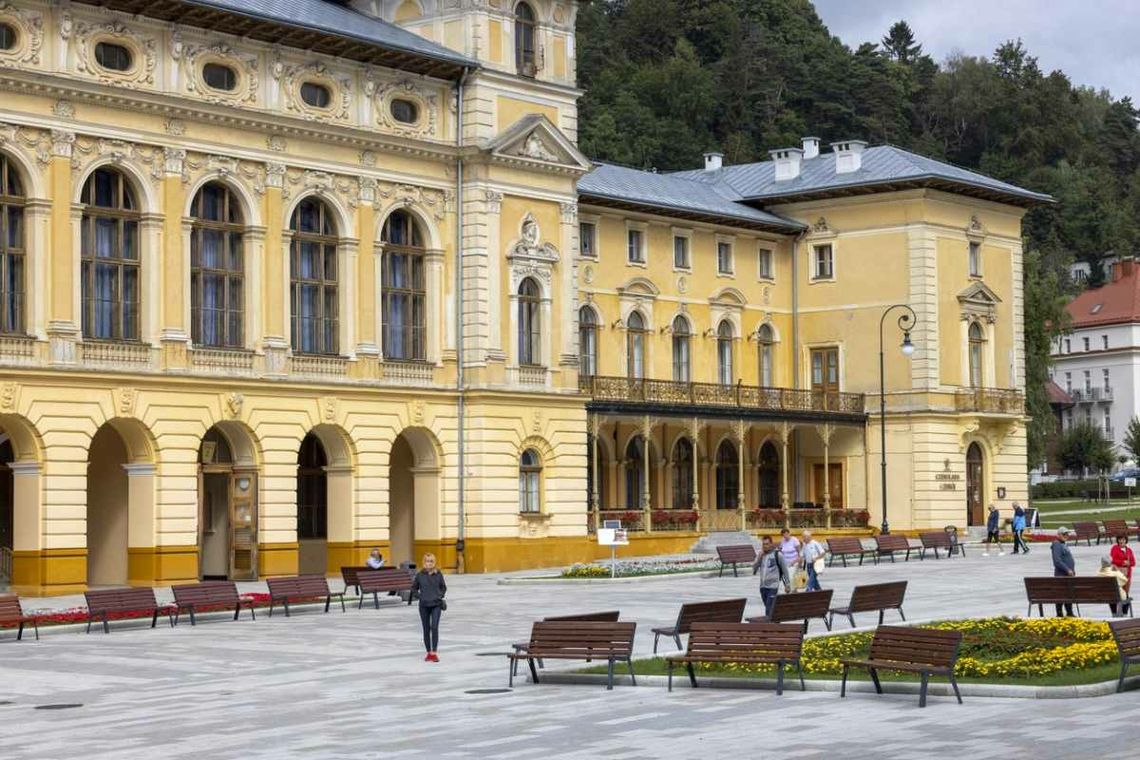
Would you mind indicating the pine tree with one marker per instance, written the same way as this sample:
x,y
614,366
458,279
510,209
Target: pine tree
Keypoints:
x,y
1132,439
899,44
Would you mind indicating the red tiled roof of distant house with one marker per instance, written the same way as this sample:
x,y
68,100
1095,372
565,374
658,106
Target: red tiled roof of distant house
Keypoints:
x,y
1057,394
1116,302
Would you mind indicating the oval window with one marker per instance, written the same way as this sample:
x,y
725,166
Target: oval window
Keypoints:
x,y
7,36
113,57
219,77
405,111
316,95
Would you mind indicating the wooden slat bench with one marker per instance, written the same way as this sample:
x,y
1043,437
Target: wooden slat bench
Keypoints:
x,y
101,603
804,606
889,544
12,613
741,554
296,587
1114,528
609,616
844,547
576,640
939,539
1086,531
385,580
720,611
1074,590
1127,636
194,597
911,650
873,597
744,643
349,576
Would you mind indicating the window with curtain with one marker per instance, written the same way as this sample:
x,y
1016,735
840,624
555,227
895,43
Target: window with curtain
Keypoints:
x,y
634,472
765,342
530,479
217,279
977,346
530,323
724,353
404,289
12,250
683,474
727,476
635,345
526,59
682,341
314,279
587,342
109,255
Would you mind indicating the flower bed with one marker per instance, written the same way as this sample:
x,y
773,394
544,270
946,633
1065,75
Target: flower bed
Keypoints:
x,y
682,519
635,568
808,518
74,615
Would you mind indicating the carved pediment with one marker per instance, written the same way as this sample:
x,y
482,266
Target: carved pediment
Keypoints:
x,y
639,286
530,245
533,140
979,300
729,297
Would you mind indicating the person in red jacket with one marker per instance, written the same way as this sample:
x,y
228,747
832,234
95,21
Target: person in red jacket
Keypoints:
x,y
1124,560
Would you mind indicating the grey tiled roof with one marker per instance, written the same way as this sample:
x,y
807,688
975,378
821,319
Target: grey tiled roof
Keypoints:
x,y
881,165
337,20
673,192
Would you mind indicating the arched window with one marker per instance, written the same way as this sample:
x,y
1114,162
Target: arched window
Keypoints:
x,y
727,476
682,339
769,476
683,474
110,258
724,353
404,289
217,280
530,323
12,250
525,57
635,345
587,342
530,475
765,342
635,473
312,489
313,279
977,345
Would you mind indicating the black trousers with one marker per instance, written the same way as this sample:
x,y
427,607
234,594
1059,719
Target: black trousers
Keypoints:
x,y
1019,544
429,619
1068,610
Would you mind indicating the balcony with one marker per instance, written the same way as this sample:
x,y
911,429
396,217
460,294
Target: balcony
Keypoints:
x,y
662,396
993,400
123,356
318,366
1092,395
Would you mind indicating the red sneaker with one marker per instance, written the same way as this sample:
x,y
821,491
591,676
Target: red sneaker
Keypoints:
x,y
433,657
428,657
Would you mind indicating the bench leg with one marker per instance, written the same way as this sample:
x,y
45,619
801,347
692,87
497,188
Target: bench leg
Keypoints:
x,y
881,613
512,666
534,672
106,622
237,610
632,675
375,599
271,603
328,601
721,573
36,628
677,640
734,573
922,689
154,619
954,684
901,613
286,605
610,672
342,608
800,671
656,637
851,619
779,678
1120,683
692,674
669,670
194,622
843,684
875,679
20,633
827,622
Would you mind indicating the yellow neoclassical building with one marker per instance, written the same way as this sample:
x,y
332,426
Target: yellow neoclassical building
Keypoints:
x,y
279,286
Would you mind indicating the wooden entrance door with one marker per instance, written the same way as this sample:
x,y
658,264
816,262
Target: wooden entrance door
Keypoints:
x,y
825,378
835,484
975,513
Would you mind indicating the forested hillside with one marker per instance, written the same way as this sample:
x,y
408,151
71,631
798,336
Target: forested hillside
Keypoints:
x,y
666,80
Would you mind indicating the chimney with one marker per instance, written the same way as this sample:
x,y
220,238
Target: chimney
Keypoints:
x,y
713,161
788,161
848,155
811,147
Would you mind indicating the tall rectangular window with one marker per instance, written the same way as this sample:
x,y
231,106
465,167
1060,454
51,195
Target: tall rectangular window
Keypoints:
x,y
636,246
1105,379
1104,342
975,259
764,264
1068,346
681,252
588,239
1085,343
1068,382
823,266
1088,381
724,264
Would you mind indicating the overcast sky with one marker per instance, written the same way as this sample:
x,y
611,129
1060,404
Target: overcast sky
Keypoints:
x,y
1095,42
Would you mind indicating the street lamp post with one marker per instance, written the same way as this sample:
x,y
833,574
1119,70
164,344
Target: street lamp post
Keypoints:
x,y
906,323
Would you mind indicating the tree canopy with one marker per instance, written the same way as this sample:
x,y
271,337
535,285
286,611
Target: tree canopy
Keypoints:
x,y
667,80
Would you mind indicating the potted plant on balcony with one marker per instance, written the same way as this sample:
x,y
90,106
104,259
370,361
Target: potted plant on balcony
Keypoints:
x,y
765,518
677,519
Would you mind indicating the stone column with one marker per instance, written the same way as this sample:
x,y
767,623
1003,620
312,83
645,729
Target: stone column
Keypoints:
x,y
738,432
646,500
695,437
595,428
785,433
825,433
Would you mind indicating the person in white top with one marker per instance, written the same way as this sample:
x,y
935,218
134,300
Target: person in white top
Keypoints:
x,y
813,558
375,560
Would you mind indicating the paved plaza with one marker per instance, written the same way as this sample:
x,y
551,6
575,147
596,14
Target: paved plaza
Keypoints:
x,y
354,685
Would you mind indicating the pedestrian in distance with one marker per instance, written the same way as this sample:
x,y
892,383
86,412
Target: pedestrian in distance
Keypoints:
x,y
812,557
375,560
789,548
1019,544
1063,565
431,588
1109,570
1124,560
773,571
993,523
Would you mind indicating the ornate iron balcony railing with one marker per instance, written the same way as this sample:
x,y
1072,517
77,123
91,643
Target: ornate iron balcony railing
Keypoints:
x,y
998,400
668,392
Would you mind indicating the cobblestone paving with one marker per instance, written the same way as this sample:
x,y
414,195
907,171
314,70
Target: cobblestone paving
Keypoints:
x,y
354,685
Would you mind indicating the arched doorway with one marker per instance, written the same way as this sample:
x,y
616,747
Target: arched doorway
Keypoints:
x,y
21,529
312,506
635,474
683,474
769,476
227,504
413,495
727,476
7,512
975,487
120,500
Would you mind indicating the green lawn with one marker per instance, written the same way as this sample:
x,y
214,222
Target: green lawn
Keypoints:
x,y
1045,506
1055,513
656,667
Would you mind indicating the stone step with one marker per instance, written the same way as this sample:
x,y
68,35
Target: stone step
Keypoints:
x,y
708,543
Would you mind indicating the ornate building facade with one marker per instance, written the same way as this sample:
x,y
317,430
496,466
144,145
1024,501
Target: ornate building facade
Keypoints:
x,y
281,288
